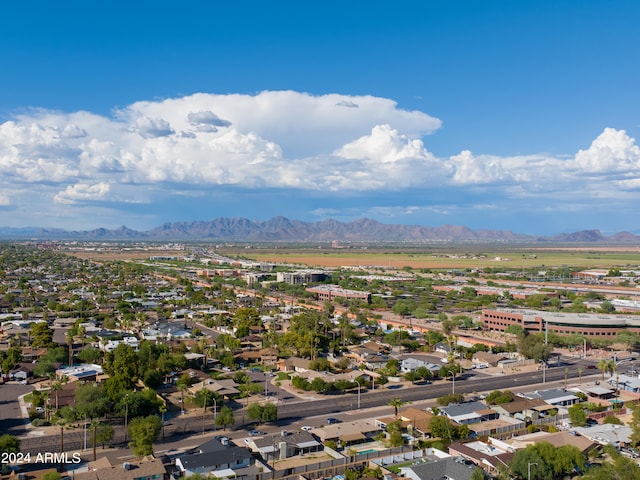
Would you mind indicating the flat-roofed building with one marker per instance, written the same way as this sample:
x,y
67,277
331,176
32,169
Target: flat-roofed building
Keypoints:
x,y
592,325
326,293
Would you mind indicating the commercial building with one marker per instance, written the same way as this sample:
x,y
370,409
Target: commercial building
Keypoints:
x,y
589,324
302,277
326,293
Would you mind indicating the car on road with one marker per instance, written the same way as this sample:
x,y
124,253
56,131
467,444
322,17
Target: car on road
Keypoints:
x,y
306,428
591,367
332,420
255,433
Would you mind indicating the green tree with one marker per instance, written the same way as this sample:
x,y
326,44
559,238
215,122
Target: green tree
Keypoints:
x,y
628,338
206,397
534,347
183,384
254,412
90,401
635,425
547,462
394,429
143,431
263,413
224,418
318,385
52,476
41,335
90,354
270,412
49,361
450,398
441,427
123,361
412,376
9,444
392,367
478,474
320,364
401,307
613,420
498,397
104,434
424,373
617,468
577,415
11,358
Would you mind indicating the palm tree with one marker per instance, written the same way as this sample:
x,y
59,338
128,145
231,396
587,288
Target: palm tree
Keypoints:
x,y
603,366
56,386
396,403
69,338
183,384
202,343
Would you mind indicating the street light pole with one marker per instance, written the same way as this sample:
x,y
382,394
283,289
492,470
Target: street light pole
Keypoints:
x,y
529,469
357,383
215,413
204,406
126,416
163,410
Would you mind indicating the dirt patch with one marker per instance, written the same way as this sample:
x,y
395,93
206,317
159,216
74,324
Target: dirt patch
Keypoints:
x,y
124,255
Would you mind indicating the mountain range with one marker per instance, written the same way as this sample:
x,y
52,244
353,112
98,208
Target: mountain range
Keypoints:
x,y
281,229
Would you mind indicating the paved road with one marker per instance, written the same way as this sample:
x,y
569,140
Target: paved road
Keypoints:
x,y
294,412
11,419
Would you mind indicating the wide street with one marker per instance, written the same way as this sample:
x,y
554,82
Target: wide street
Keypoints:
x,y
297,411
11,418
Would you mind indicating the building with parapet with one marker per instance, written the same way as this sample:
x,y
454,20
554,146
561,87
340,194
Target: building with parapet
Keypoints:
x,y
534,321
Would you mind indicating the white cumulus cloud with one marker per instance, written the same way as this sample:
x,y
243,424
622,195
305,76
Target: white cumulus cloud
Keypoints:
x,y
612,151
82,192
341,144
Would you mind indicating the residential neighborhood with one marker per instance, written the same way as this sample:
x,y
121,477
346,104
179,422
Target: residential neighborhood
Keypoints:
x,y
186,362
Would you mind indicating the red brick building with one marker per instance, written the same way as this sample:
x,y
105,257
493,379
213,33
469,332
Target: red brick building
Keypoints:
x,y
589,324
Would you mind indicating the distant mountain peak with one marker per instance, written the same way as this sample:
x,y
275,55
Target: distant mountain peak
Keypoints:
x,y
283,229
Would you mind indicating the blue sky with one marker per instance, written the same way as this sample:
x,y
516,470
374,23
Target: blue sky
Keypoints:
x,y
519,116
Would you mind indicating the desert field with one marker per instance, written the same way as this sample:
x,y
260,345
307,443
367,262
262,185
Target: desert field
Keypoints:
x,y
608,257
412,257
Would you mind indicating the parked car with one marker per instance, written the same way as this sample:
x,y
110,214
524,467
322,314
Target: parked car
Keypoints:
x,y
254,433
591,367
332,420
306,428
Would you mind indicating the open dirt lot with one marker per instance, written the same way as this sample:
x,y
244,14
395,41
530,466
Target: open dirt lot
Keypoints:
x,y
123,255
429,257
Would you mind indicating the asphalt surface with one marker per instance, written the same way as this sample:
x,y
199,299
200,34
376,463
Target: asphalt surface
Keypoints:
x,y
11,419
312,411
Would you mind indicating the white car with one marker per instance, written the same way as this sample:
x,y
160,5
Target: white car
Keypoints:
x,y
306,428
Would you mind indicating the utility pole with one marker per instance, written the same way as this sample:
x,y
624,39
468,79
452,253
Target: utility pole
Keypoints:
x,y
204,406
126,417
95,427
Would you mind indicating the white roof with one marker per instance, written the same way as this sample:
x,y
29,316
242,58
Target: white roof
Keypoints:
x,y
225,473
